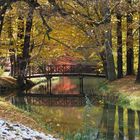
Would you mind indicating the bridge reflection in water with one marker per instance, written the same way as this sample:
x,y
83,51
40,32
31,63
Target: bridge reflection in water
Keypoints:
x,y
115,123
52,100
57,85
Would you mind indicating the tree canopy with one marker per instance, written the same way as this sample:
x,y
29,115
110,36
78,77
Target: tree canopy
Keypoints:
x,y
104,31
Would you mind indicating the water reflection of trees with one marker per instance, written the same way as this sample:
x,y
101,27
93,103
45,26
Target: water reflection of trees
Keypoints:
x,y
116,122
131,124
121,128
107,122
119,123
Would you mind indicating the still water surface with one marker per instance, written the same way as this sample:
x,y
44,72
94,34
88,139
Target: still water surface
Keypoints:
x,y
69,116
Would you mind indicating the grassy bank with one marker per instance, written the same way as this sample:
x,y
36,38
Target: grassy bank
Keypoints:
x,y
15,115
8,82
127,90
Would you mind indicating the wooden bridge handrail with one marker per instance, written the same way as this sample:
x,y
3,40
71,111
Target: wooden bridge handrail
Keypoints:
x,y
62,69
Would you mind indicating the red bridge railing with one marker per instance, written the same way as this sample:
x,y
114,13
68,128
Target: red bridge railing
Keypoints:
x,y
63,69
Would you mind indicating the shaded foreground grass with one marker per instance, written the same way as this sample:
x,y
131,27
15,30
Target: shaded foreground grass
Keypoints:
x,y
12,114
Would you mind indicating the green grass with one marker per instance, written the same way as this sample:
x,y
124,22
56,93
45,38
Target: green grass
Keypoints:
x,y
1,71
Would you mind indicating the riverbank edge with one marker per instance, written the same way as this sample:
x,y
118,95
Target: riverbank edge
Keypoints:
x,y
127,90
8,83
13,114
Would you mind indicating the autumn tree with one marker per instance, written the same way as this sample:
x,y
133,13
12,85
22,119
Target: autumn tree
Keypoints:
x,y
23,59
57,28
94,20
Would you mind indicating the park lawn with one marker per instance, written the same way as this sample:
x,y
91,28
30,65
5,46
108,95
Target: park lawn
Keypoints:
x,y
126,86
128,91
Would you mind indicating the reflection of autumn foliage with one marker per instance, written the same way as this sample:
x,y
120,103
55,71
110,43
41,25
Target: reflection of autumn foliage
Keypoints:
x,y
65,86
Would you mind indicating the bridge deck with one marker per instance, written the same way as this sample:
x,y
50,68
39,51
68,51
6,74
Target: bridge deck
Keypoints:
x,y
66,74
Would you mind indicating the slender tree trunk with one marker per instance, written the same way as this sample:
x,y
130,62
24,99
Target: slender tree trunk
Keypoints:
x,y
2,14
18,60
25,52
11,49
129,43
119,46
103,58
1,23
108,43
28,34
138,73
111,74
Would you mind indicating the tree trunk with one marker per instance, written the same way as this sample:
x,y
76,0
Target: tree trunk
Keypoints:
x,y
111,74
129,43
11,49
1,23
119,46
103,58
138,73
25,52
18,70
2,14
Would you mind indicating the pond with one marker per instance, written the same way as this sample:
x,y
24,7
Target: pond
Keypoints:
x,y
77,117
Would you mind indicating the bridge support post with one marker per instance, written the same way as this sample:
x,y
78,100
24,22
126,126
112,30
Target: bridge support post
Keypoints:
x,y
49,84
81,85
